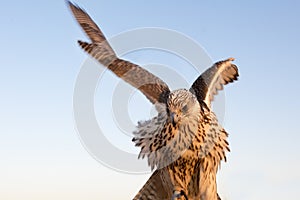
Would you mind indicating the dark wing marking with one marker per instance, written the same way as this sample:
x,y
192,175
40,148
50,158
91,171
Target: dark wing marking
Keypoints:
x,y
150,85
213,79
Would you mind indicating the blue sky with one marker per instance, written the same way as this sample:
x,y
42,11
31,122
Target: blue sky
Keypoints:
x,y
40,151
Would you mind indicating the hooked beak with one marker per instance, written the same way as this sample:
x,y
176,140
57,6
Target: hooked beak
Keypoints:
x,y
174,118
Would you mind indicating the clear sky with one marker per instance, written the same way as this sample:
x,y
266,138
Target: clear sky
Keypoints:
x,y
40,152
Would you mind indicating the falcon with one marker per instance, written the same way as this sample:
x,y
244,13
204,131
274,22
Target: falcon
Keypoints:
x,y
184,142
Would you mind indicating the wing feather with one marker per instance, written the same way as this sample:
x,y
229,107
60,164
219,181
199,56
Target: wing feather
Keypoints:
x,y
150,85
87,24
213,79
158,186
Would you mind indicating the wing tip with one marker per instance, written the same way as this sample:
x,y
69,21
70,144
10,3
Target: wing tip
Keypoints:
x,y
75,8
225,62
72,5
69,3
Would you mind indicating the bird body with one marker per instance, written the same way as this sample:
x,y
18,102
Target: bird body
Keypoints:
x,y
195,143
172,138
184,142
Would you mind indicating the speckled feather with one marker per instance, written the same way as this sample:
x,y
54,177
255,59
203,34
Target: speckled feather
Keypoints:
x,y
191,162
162,142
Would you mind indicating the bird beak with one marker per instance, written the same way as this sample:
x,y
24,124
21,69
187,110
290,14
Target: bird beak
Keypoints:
x,y
173,118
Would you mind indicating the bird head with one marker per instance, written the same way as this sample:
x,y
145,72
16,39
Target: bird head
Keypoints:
x,y
181,106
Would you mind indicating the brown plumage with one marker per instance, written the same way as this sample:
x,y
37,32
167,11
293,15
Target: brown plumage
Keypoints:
x,y
151,86
184,142
189,150
212,139
213,79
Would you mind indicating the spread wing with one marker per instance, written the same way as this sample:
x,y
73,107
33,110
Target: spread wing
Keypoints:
x,y
213,79
150,85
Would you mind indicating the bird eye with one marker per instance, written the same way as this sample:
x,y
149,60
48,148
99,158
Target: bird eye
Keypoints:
x,y
185,108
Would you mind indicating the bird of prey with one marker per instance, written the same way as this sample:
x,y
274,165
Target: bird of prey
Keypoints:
x,y
184,142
